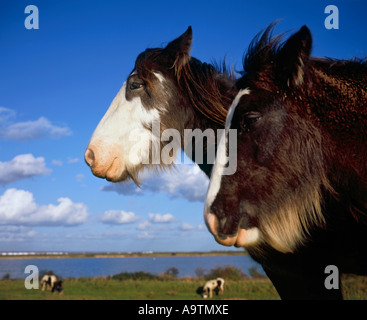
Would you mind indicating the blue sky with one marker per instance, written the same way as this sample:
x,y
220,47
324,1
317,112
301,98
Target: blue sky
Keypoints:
x,y
57,82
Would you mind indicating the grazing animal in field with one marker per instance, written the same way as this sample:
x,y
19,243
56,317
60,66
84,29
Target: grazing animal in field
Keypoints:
x,y
58,286
216,285
298,200
167,92
48,281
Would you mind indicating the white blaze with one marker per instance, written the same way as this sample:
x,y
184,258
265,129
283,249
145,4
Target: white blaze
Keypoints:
x,y
245,237
122,130
221,158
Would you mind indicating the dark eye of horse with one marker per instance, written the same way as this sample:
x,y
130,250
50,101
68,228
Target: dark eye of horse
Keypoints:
x,y
249,119
136,85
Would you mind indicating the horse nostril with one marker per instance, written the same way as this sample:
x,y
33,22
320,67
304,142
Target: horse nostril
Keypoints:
x,y
89,157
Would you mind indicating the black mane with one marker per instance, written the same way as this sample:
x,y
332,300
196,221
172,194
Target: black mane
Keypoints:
x,y
264,48
261,50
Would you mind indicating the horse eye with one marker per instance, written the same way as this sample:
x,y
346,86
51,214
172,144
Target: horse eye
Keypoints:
x,y
136,85
249,119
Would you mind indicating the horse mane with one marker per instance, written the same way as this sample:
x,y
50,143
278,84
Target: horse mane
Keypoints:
x,y
263,47
201,81
207,86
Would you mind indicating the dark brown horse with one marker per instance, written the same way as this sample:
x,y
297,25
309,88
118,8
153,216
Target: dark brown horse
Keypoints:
x,y
167,92
298,201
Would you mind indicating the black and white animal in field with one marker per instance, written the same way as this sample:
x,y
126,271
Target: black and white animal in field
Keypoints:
x,y
216,285
48,281
58,286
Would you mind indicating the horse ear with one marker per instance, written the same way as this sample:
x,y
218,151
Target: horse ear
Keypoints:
x,y
293,57
179,50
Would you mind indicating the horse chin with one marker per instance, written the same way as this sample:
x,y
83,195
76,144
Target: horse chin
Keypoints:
x,y
123,176
118,178
116,172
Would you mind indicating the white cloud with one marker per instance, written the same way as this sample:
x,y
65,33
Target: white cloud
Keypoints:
x,y
22,166
186,227
6,114
18,207
73,160
16,233
144,225
28,130
57,163
161,218
184,181
79,177
145,235
118,217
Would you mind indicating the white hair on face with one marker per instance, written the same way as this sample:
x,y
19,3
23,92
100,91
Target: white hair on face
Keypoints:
x,y
217,172
159,76
124,128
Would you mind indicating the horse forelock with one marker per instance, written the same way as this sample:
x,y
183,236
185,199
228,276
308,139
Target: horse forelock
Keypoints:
x,y
262,50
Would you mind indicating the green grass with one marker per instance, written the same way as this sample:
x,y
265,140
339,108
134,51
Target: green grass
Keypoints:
x,y
111,289
354,288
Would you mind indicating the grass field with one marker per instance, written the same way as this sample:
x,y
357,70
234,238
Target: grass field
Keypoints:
x,y
354,288
103,288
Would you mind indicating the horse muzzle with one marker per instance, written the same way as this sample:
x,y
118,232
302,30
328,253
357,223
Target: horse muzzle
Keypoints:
x,y
105,164
230,231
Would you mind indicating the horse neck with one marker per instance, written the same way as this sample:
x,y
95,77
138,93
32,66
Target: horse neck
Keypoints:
x,y
203,124
197,121
344,80
209,93
339,97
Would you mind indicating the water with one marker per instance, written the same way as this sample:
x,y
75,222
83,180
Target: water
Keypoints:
x,y
94,267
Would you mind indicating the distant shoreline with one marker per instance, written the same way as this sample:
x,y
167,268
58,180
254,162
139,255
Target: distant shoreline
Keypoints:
x,y
123,255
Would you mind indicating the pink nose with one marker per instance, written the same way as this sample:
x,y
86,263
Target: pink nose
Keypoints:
x,y
89,157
